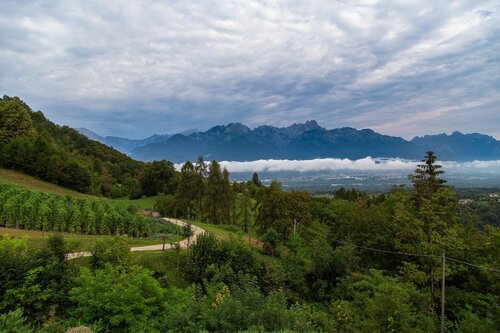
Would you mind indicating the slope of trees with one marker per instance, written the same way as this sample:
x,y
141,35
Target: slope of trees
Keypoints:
x,y
32,144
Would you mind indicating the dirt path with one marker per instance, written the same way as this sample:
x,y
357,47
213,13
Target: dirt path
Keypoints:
x,y
184,244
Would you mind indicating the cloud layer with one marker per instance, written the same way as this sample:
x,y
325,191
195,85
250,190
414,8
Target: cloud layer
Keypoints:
x,y
132,68
336,164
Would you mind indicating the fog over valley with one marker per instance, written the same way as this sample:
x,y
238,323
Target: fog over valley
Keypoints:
x,y
370,174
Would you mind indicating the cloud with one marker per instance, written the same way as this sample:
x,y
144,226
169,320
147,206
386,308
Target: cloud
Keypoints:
x,y
335,164
133,68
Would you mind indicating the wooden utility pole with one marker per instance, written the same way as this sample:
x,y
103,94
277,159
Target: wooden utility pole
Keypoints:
x,y
294,226
443,293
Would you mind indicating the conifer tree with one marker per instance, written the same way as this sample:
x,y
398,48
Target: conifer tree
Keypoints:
x,y
227,197
201,172
435,207
213,193
256,180
187,191
425,178
245,209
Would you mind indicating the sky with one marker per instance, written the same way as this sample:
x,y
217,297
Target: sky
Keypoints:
x,y
134,68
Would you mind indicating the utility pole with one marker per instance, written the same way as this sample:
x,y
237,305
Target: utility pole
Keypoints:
x,y
443,293
294,226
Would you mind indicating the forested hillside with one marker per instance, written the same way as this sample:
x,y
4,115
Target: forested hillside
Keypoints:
x,y
32,144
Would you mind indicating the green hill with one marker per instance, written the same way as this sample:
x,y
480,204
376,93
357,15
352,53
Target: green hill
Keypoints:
x,y
10,177
33,145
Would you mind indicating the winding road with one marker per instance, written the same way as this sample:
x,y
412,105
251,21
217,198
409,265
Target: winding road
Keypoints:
x,y
184,244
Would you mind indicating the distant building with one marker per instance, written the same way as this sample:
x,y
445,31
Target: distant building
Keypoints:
x,y
465,201
494,195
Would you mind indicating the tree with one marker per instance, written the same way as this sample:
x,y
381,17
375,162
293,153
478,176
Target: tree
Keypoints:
x,y
256,180
111,250
14,120
210,257
435,207
386,305
187,193
281,210
117,300
159,176
425,183
218,195
271,240
56,248
227,197
15,261
134,188
13,322
246,209
425,178
164,237
165,204
201,172
270,207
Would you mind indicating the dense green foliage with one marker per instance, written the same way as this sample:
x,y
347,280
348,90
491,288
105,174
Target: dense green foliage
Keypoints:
x,y
204,192
32,144
484,204
117,300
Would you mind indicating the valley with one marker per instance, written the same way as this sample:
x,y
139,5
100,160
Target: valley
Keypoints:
x,y
96,238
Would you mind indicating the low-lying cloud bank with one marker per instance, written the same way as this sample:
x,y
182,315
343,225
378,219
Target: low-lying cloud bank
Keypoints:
x,y
336,164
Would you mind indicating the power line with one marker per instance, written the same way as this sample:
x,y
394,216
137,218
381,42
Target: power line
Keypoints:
x,y
474,265
443,257
398,252
370,248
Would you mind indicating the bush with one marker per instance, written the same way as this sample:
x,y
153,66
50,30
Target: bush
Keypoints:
x,y
115,300
13,322
111,250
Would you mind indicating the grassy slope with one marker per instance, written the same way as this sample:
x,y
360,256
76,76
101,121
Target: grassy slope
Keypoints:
x,y
10,177
227,232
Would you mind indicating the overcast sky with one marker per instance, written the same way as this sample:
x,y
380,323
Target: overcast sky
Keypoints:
x,y
134,68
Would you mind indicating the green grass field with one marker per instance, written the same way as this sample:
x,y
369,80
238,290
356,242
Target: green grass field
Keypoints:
x,y
10,177
15,178
76,242
227,232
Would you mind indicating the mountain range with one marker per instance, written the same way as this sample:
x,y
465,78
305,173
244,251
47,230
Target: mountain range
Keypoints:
x,y
125,145
237,142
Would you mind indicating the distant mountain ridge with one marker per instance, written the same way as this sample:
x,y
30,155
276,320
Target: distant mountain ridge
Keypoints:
x,y
125,145
238,142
